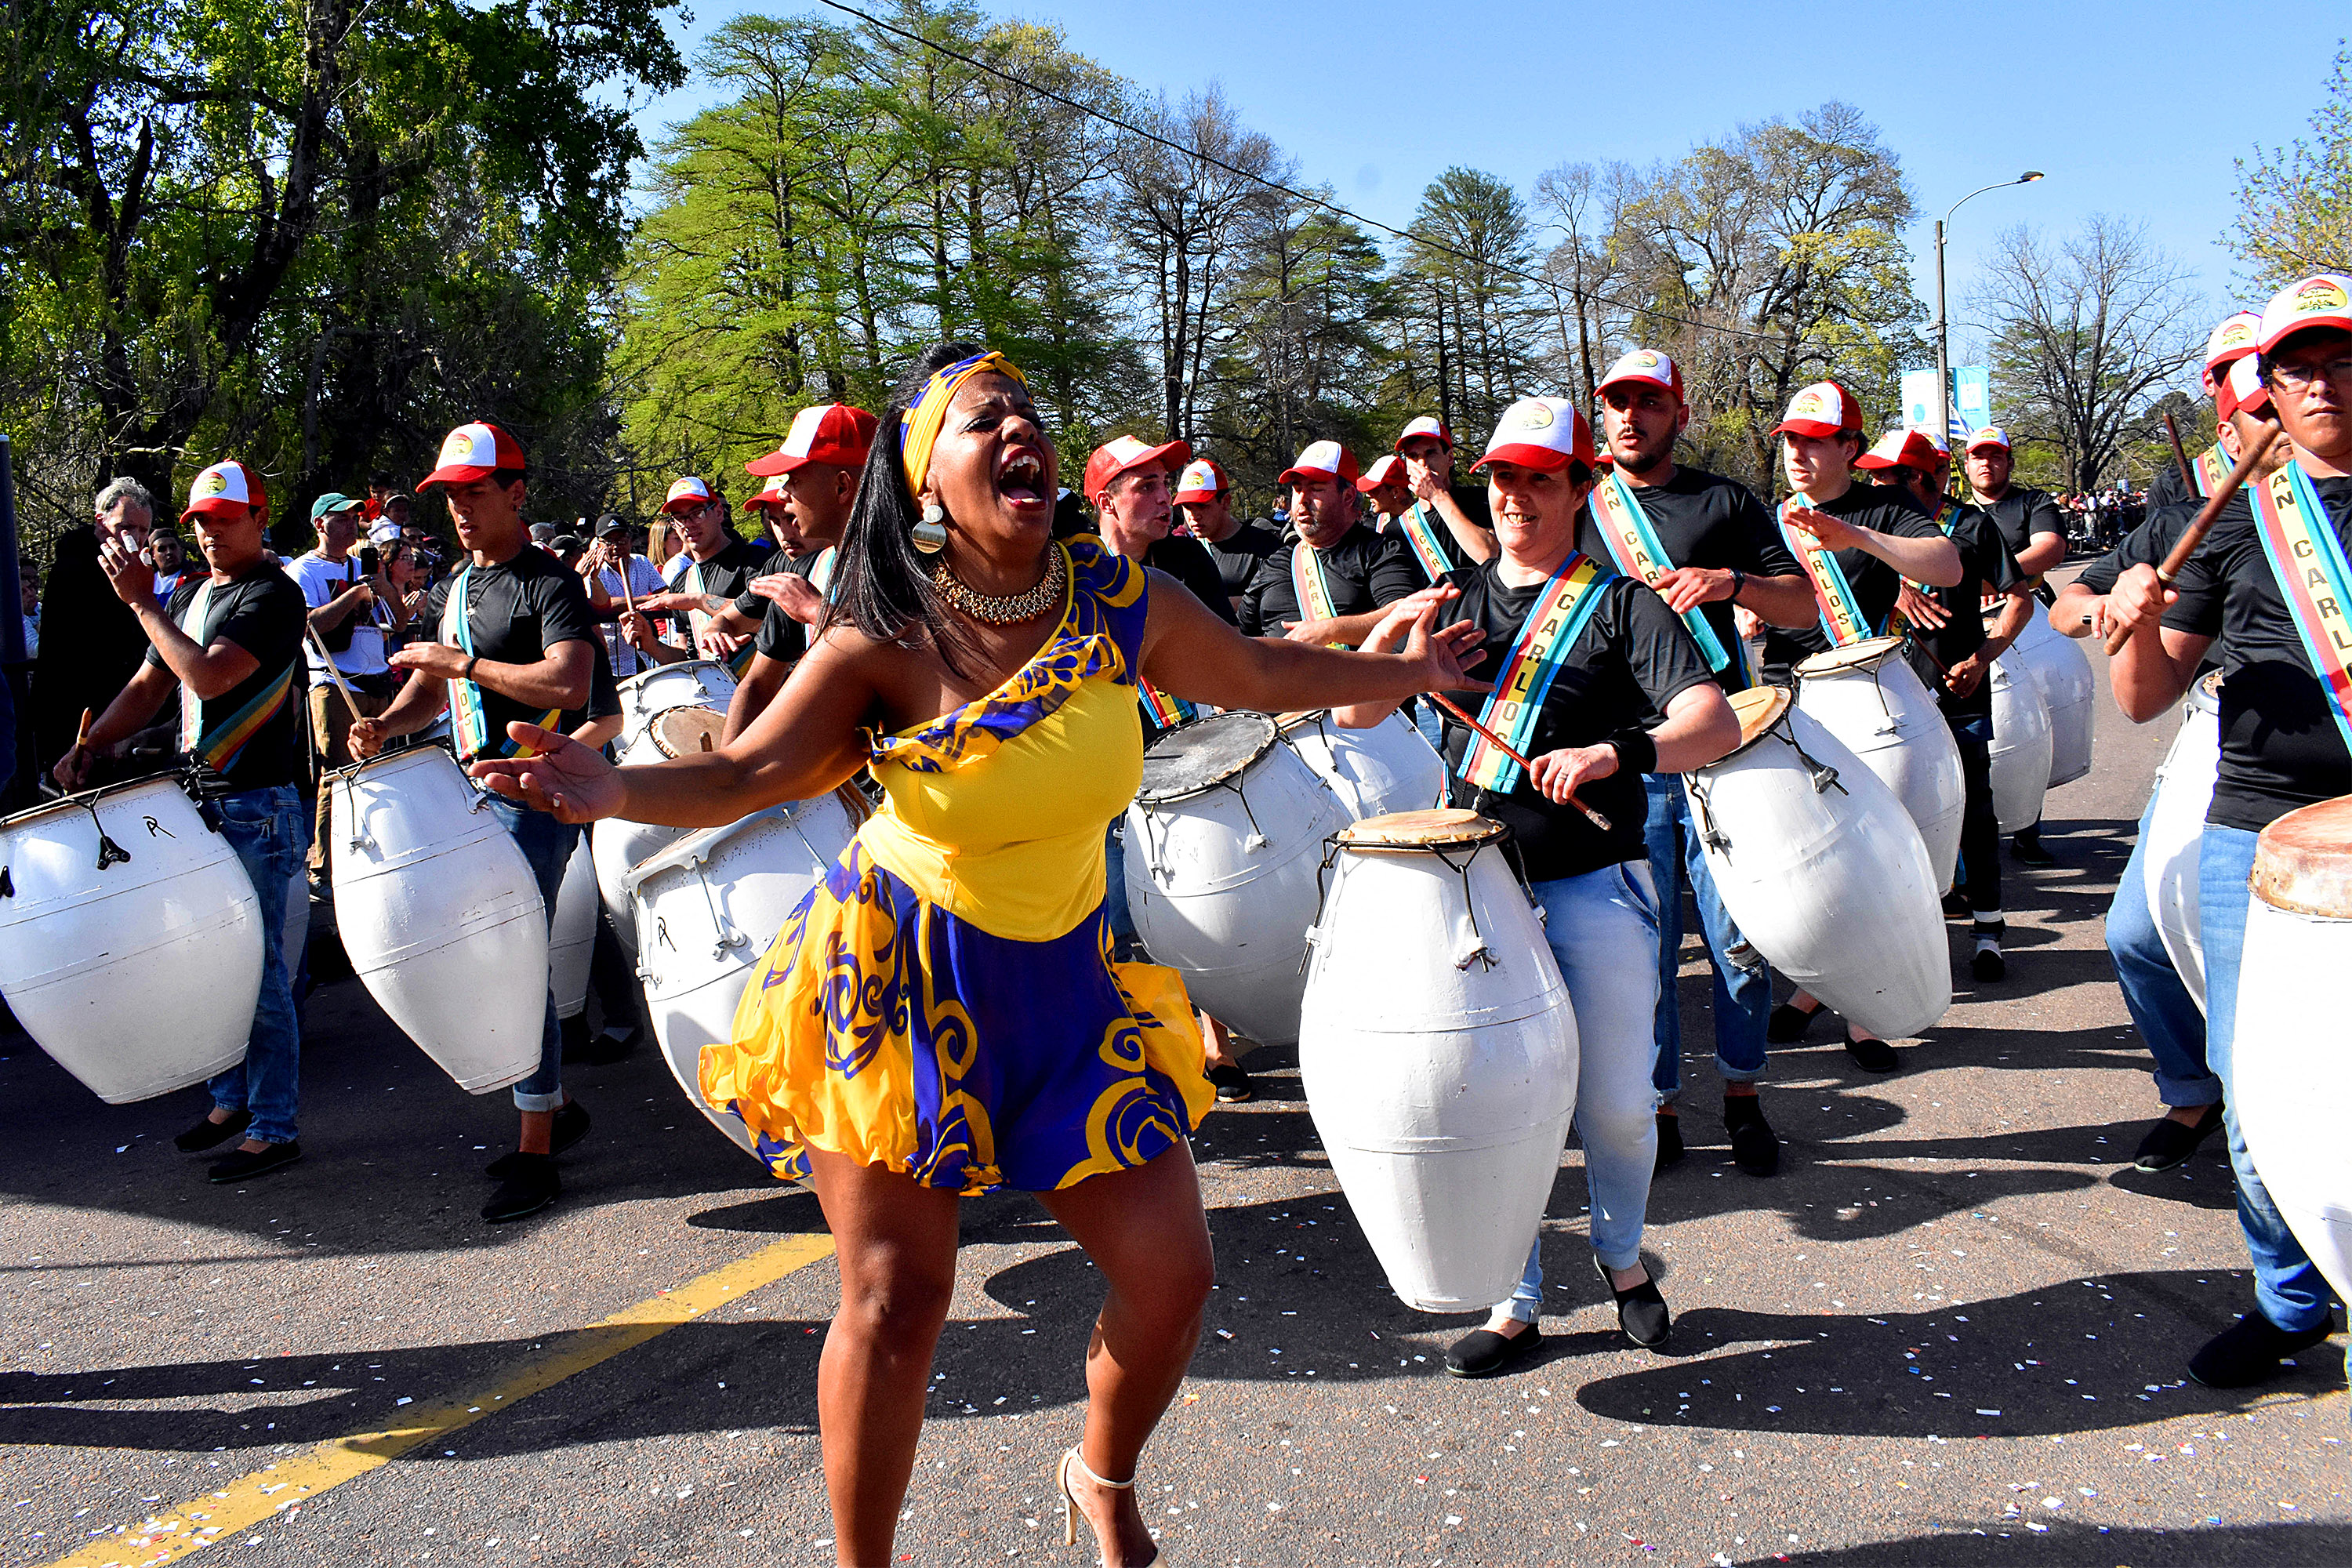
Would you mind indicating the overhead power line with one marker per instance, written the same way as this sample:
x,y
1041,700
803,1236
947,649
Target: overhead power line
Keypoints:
x,y
1307,197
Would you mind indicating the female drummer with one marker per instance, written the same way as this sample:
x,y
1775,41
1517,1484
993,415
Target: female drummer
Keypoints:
x,y
1585,665
941,1016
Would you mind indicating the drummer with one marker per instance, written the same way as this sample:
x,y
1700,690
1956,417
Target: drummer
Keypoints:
x,y
517,644
1859,543
1384,490
704,579
1204,501
2286,736
1332,583
813,474
1707,545
232,643
1624,693
2232,341
1443,529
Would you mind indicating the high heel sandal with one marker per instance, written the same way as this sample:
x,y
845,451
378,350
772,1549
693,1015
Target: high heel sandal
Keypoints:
x,y
1070,1500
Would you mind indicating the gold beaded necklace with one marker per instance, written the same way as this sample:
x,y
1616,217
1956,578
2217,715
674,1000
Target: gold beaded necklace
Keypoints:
x,y
1004,611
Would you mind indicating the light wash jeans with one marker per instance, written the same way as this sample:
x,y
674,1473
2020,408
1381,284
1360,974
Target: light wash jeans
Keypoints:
x,y
2160,1006
270,834
2288,1287
1743,996
1602,927
548,845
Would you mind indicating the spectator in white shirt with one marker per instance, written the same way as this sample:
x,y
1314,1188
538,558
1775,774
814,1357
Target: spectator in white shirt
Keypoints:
x,y
601,568
350,613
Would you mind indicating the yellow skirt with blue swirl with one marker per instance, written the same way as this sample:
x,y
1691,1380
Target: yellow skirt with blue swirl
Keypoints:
x,y
885,1028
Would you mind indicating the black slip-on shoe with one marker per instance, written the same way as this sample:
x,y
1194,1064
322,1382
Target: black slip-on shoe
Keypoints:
x,y
1232,1083
210,1134
2249,1352
1641,1311
1484,1354
531,1186
239,1165
1755,1147
2169,1142
571,1126
1788,1022
1871,1054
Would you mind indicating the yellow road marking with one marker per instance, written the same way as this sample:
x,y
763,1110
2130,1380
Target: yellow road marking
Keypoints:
x,y
250,1500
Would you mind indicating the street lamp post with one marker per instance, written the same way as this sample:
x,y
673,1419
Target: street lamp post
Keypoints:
x,y
1943,332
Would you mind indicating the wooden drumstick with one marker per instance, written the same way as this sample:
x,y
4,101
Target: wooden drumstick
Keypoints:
x,y
2194,536
349,700
81,736
1503,746
2181,455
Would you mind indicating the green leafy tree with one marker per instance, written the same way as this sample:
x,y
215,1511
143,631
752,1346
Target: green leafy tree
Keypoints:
x,y
2294,203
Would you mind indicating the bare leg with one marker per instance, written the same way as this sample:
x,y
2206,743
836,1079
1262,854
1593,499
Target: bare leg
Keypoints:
x,y
896,1240
1217,1043
1146,1231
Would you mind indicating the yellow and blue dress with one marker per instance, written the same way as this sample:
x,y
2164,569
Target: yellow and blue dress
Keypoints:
x,y
945,1002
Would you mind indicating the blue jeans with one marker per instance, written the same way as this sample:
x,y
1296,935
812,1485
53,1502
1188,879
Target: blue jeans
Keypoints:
x,y
1979,873
2160,1006
2288,1289
1743,995
1602,927
547,843
270,834
1431,723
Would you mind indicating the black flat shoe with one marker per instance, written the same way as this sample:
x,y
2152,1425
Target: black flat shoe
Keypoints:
x,y
1755,1147
240,1166
1233,1084
1788,1022
210,1134
1485,1352
610,1045
573,1033
571,1126
1670,1140
1955,906
2249,1352
1871,1054
2029,851
532,1185
1641,1311
2169,1142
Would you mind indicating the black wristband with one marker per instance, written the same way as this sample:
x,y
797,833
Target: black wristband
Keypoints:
x,y
1738,582
473,659
1636,752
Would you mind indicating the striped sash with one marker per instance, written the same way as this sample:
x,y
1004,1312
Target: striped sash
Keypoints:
x,y
1842,621
2211,466
1418,523
2308,560
469,722
218,747
1641,553
1309,581
1559,615
1164,712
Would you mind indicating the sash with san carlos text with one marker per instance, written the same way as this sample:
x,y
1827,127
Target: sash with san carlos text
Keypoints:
x,y
1639,551
1313,588
217,748
2212,466
1842,621
471,723
1419,526
2308,559
1550,630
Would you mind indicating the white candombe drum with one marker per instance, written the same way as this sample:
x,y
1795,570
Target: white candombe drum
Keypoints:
x,y
2291,1076
2020,745
1387,768
1224,843
130,939
572,940
707,909
1439,1054
615,844
694,683
1823,868
2062,673
2176,831
1869,697
440,914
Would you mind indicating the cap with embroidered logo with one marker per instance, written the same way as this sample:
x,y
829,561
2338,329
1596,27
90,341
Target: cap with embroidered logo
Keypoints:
x,y
1822,410
1647,366
2234,339
771,494
1425,426
1201,481
1990,436
1124,454
1546,434
1320,460
2322,299
224,488
689,494
472,452
838,434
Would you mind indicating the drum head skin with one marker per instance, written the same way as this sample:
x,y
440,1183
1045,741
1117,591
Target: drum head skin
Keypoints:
x,y
680,732
2302,862
1446,827
1760,708
1197,757
1867,654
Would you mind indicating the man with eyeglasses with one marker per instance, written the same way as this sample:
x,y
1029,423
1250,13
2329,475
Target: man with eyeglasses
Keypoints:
x,y
704,578
2286,735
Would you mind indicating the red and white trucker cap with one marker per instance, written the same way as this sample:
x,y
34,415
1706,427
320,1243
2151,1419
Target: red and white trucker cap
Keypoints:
x,y
1820,411
1902,449
1542,433
1122,454
472,452
834,433
689,494
2322,299
2241,388
1426,424
2234,339
1201,481
1645,366
1990,436
225,487
771,494
1387,468
1321,460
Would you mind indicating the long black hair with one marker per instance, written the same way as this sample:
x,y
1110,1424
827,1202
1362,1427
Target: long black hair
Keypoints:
x,y
883,586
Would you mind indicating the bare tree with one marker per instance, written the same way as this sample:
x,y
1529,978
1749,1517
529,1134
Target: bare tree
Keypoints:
x,y
2087,336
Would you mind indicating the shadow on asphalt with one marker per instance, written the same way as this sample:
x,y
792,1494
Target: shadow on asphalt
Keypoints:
x,y
2071,1544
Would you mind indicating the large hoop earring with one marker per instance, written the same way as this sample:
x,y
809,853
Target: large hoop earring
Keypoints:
x,y
930,534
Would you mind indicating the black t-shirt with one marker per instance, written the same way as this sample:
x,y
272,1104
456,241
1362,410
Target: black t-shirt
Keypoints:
x,y
2168,488
604,691
730,570
516,611
2147,545
1475,506
1704,520
1365,570
2021,513
2280,745
780,636
263,612
1240,553
1189,561
1875,583
1986,567
1631,659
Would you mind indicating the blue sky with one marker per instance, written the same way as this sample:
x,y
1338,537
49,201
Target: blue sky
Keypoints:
x,y
2115,102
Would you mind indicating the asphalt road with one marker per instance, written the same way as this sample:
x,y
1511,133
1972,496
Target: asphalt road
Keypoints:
x,y
1951,1330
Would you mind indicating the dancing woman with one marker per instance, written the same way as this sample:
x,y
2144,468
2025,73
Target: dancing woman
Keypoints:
x,y
941,1015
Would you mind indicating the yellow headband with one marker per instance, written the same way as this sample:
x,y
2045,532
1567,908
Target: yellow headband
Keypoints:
x,y
919,428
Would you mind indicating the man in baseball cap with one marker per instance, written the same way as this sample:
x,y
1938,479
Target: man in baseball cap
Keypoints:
x,y
1330,585
1131,485
712,569
1708,546
1442,528
2238,337
2034,532
1204,500
1384,485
